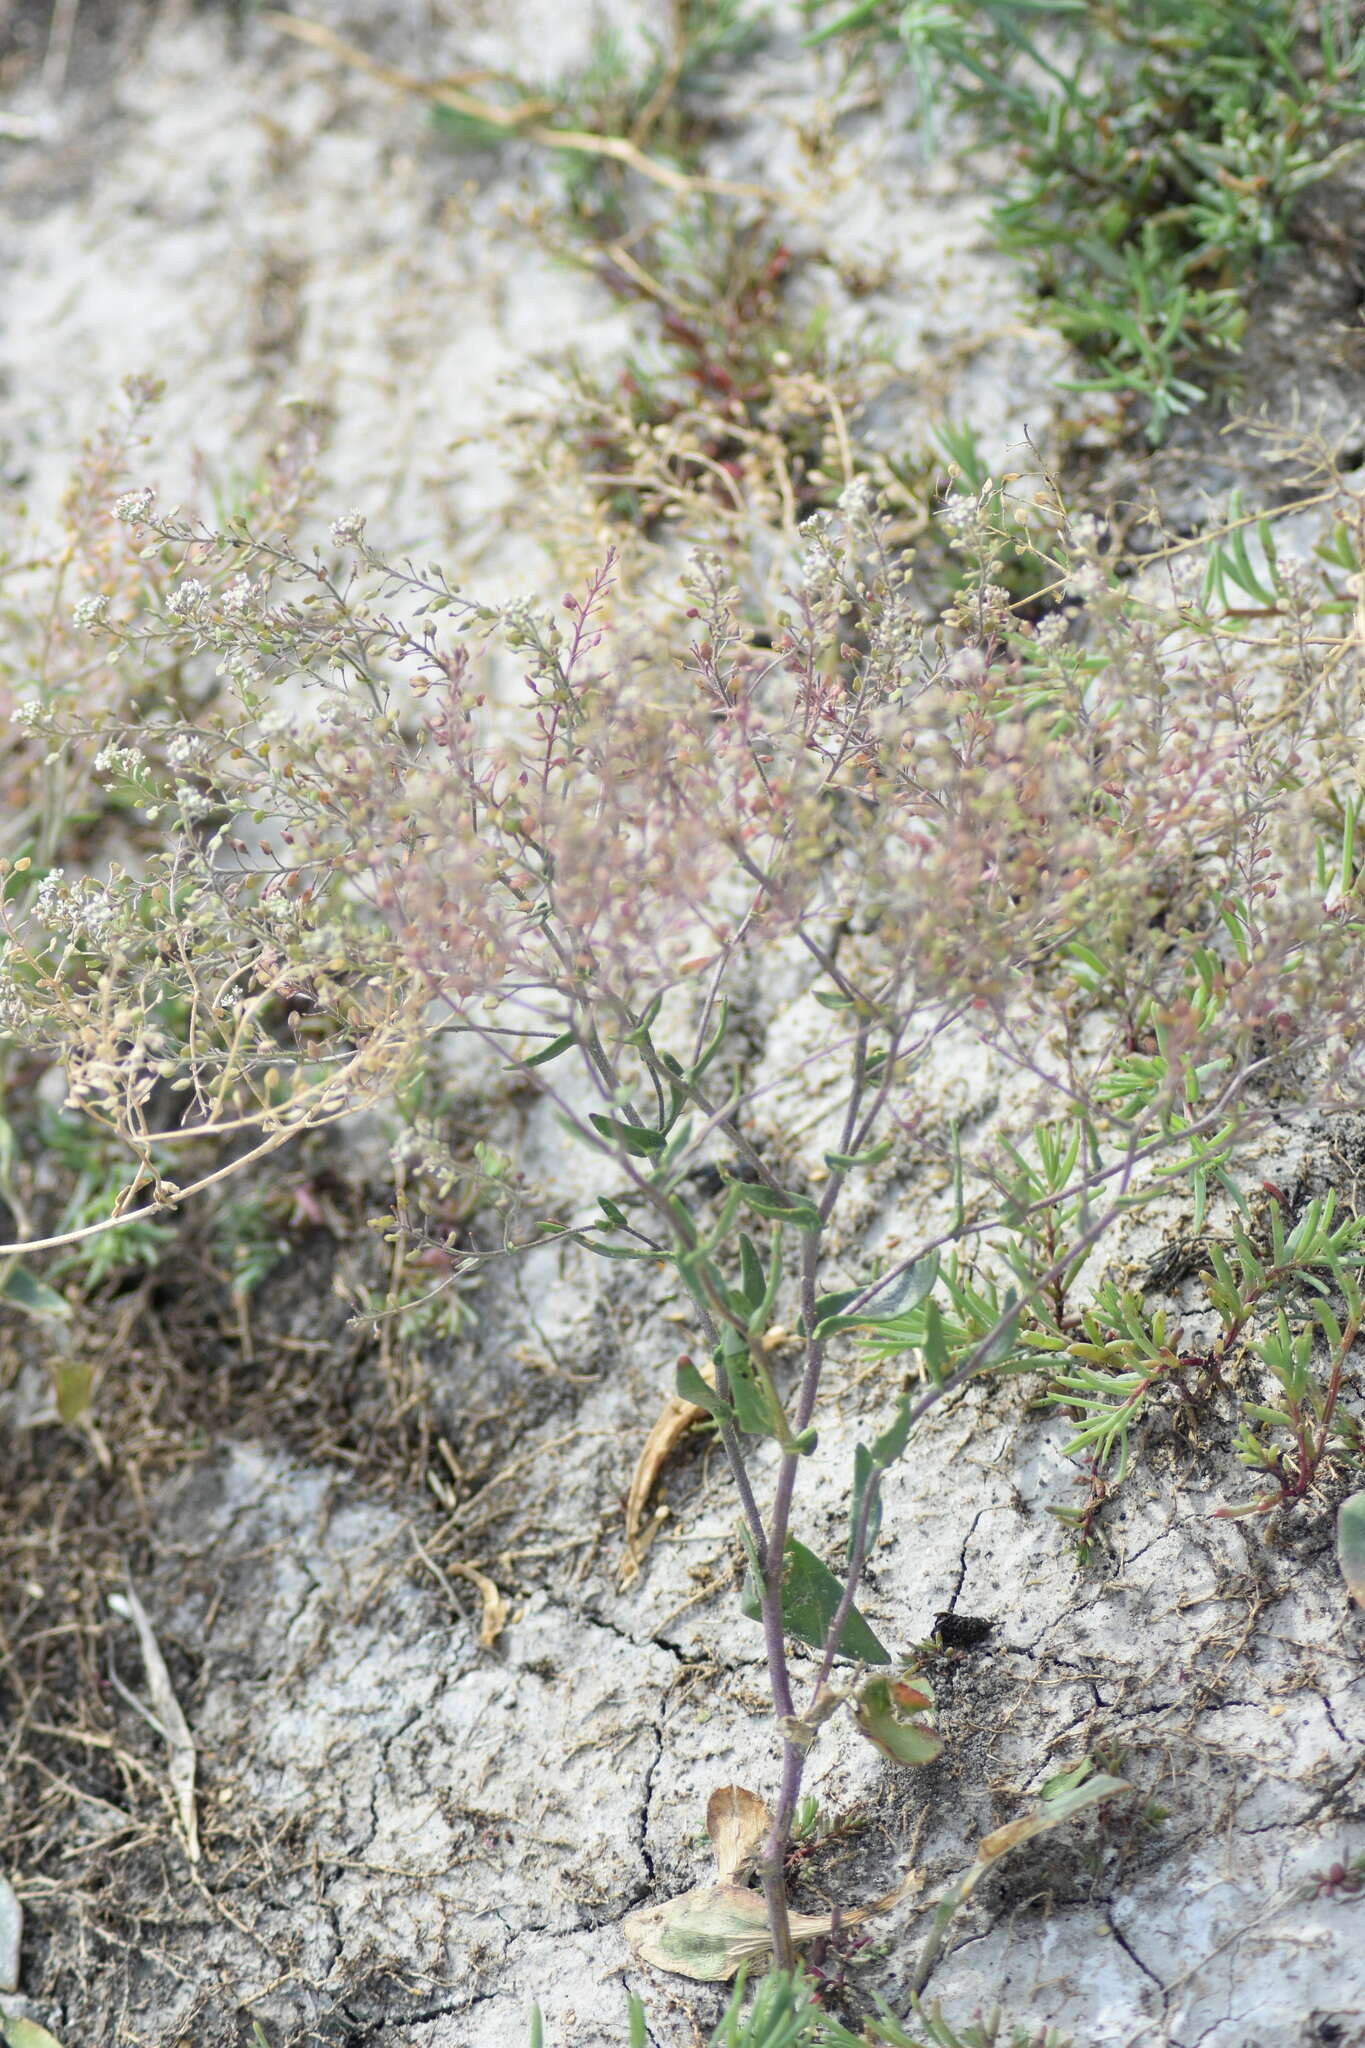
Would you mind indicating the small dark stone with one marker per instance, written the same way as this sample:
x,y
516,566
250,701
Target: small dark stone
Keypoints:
x,y
961,1631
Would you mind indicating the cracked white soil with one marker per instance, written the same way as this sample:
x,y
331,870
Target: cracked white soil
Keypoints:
x,y
432,1834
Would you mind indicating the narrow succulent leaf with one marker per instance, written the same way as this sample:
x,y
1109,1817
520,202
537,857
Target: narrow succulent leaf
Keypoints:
x,y
1351,1545
1002,1343
713,1044
73,1380
849,1162
640,1035
679,1135
777,1207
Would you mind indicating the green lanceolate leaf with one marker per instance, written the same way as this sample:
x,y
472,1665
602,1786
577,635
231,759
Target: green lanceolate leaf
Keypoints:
x,y
753,1283
692,1387
810,1595
27,2034
891,1443
637,1139
935,1344
551,1051
865,1470
753,1403
894,1716
899,1297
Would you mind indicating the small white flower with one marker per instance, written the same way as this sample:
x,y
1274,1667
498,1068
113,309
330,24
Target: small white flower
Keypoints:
x,y
90,611
194,803
11,1004
113,761
189,600
349,530
184,750
134,507
856,499
1085,579
242,598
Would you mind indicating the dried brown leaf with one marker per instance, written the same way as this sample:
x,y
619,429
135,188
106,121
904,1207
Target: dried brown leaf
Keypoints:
x,y
736,1821
675,1419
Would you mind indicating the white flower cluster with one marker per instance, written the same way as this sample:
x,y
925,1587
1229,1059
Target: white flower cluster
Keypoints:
x,y
28,714
349,530
248,675
90,612
960,511
134,507
65,910
857,500
243,599
185,751
189,601
1085,579
193,803
12,1007
112,761
1086,532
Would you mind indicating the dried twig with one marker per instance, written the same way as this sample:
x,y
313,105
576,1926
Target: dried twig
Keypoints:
x,y
170,1719
524,119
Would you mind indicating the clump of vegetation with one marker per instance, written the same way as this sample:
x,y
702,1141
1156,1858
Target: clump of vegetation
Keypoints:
x,y
643,111
732,410
1116,846
1160,151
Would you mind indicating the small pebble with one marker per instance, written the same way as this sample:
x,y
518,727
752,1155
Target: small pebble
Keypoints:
x,y
11,1927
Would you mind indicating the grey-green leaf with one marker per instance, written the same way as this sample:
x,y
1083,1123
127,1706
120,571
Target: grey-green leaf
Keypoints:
x,y
22,1290
779,1208
1351,1545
